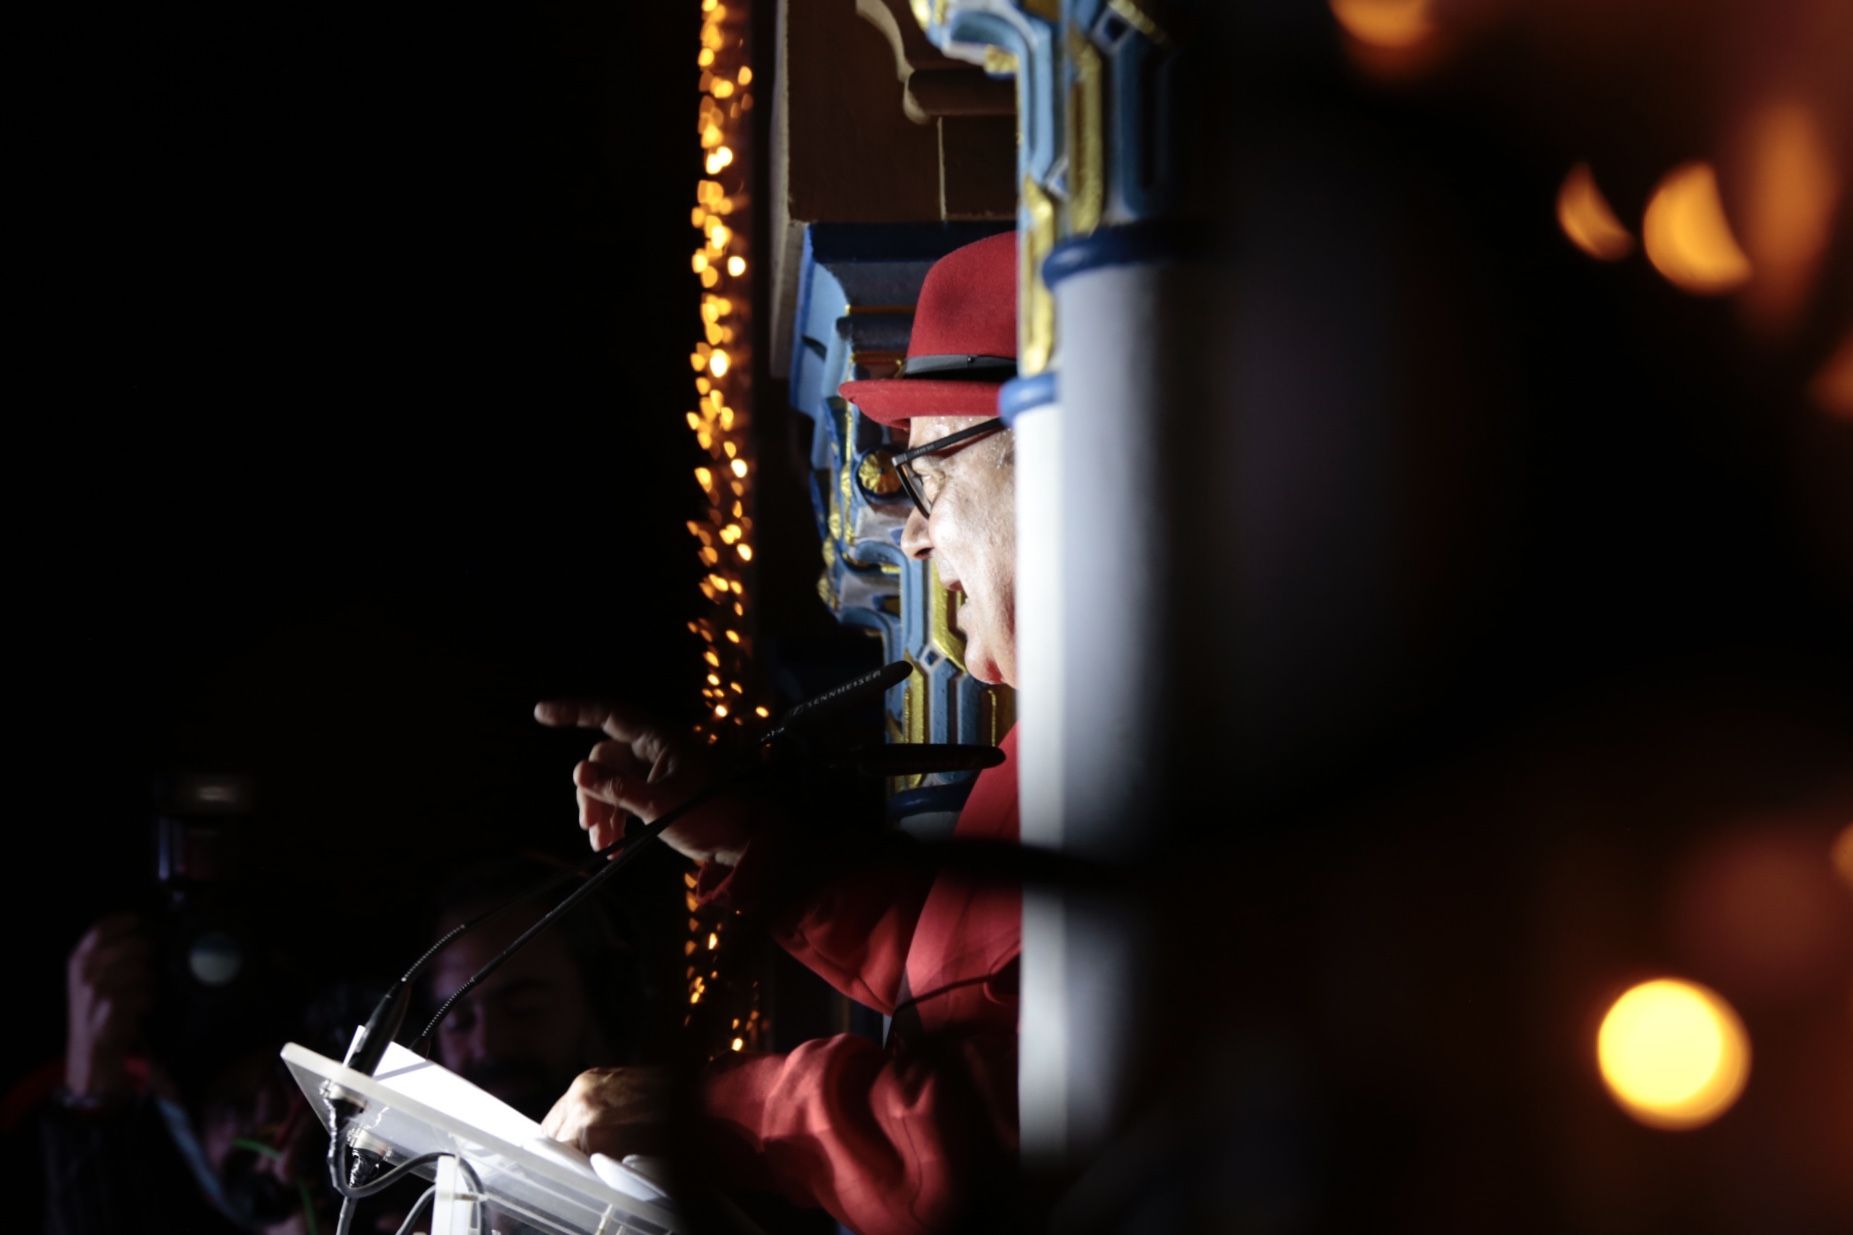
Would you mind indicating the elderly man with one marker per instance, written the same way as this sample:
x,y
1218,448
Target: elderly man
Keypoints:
x,y
906,1137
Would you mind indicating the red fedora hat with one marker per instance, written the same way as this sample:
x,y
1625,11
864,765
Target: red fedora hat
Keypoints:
x,y
963,346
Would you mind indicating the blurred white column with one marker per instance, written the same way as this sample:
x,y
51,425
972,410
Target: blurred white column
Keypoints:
x,y
1029,405
1107,746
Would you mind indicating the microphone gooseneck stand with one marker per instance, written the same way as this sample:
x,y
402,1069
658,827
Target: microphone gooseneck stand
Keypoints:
x,y
626,851
357,1180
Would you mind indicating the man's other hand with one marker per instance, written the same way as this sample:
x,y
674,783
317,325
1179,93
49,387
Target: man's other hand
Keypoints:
x,y
615,1111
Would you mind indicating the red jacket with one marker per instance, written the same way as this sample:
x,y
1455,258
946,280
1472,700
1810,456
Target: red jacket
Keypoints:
x,y
892,1139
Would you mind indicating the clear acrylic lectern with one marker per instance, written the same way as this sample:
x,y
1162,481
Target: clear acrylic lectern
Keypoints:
x,y
412,1106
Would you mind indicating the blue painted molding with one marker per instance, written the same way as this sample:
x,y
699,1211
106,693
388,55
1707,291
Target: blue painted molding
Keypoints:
x,y
1134,244
1025,394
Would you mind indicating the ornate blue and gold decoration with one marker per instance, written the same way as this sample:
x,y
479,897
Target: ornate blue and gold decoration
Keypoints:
x,y
1098,122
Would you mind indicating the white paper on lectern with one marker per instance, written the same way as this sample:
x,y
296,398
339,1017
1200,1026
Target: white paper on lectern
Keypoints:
x,y
416,1106
414,1076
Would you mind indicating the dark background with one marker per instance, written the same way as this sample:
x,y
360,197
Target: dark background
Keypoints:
x,y
353,426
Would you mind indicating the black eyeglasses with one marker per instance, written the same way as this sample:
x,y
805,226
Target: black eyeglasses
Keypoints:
x,y
914,482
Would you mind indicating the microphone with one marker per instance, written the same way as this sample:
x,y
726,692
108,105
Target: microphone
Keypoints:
x,y
840,698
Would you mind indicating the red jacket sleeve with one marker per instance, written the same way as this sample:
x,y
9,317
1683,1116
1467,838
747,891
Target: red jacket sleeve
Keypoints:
x,y
888,1143
852,927
890,1140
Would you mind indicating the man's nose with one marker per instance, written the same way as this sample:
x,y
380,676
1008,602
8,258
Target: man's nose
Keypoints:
x,y
915,542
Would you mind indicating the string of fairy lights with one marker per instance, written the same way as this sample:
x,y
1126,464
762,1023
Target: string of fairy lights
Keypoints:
x,y
721,422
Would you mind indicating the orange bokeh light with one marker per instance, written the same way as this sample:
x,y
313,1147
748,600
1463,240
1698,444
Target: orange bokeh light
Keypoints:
x,y
1673,1054
1587,218
1793,191
1686,234
1756,909
1843,854
1833,385
1395,25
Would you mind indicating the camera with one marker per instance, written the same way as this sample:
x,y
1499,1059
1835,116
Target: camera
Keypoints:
x,y
212,968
